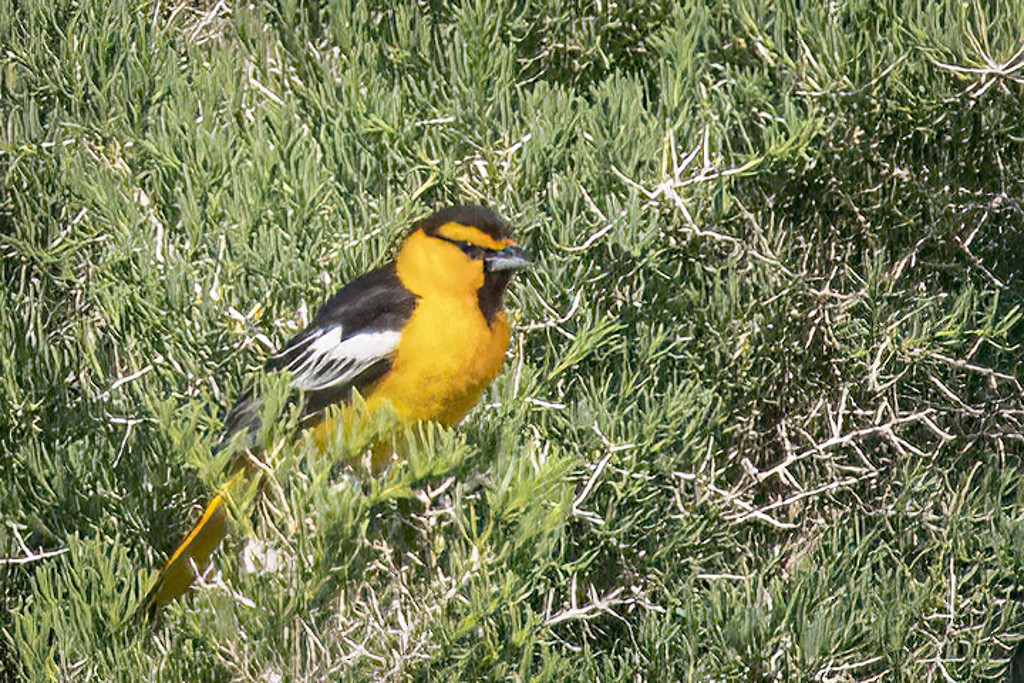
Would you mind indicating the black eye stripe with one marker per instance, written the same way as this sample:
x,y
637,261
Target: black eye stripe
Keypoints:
x,y
474,251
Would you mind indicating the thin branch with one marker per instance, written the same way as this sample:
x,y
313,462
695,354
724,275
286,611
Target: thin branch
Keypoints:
x,y
35,557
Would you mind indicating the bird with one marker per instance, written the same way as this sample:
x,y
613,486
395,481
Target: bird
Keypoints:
x,y
424,335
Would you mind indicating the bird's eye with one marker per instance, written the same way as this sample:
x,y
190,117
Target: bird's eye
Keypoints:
x,y
473,251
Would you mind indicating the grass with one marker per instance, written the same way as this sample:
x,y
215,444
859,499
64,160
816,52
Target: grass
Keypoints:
x,y
762,414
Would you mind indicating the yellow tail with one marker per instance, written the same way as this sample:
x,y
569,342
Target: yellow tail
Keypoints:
x,y
193,555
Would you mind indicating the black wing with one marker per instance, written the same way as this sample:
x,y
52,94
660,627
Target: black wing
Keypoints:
x,y
349,344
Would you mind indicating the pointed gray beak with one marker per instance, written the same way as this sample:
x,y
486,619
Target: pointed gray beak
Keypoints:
x,y
509,258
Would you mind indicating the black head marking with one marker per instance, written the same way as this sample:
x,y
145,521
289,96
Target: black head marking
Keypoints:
x,y
473,215
487,221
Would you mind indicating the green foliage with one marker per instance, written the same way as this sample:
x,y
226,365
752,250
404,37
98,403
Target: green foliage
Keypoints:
x,y
761,419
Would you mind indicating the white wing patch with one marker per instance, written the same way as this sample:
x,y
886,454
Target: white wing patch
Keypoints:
x,y
323,359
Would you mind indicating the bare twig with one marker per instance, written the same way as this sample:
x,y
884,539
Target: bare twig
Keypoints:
x,y
33,557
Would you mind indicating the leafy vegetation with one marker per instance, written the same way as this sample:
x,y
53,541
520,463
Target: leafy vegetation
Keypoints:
x,y
762,416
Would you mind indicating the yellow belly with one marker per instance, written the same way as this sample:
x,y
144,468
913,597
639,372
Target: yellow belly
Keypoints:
x,y
447,356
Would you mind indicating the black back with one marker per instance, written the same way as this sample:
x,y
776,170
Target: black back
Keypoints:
x,y
373,302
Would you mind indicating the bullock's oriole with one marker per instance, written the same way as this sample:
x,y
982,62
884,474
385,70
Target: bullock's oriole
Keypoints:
x,y
425,334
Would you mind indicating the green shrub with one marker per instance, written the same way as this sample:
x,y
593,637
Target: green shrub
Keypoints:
x,y
761,417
